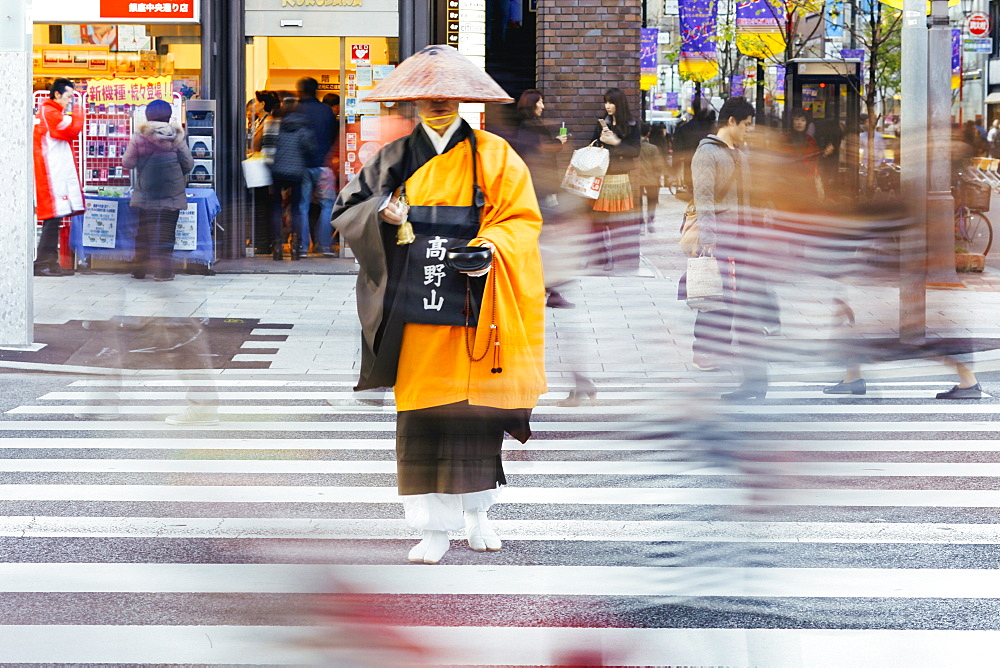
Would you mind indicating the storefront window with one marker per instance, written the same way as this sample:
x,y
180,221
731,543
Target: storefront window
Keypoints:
x,y
345,67
85,52
116,69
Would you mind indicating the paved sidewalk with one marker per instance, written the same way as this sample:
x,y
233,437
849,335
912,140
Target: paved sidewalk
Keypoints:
x,y
624,327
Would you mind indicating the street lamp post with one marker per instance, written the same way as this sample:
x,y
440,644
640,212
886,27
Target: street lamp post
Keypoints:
x,y
966,6
940,204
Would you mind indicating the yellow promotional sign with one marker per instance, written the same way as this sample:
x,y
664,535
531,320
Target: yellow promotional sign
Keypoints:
x,y
898,4
698,70
807,6
142,90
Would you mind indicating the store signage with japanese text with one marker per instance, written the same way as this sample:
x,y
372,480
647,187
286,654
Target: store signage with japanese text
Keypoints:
x,y
113,12
977,45
465,28
129,91
130,9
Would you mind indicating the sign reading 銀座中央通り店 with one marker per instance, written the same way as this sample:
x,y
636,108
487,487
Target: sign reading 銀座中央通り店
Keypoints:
x,y
89,12
133,9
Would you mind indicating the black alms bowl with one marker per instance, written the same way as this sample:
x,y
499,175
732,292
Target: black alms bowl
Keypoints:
x,y
469,258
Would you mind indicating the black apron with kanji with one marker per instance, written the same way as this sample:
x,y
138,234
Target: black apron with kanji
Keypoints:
x,y
436,294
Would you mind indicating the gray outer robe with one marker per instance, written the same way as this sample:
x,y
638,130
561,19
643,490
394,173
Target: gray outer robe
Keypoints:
x,y
356,216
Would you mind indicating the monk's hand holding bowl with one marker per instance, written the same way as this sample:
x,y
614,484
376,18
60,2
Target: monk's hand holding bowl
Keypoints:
x,y
482,272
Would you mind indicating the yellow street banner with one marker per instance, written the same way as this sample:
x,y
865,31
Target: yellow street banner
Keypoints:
x,y
142,90
759,28
698,61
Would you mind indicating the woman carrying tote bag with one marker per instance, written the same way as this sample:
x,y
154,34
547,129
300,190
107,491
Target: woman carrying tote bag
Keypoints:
x,y
159,152
613,210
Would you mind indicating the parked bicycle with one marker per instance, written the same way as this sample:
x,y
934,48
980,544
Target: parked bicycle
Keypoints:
x,y
973,231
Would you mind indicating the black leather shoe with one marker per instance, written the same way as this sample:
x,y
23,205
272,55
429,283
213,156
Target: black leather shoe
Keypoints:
x,y
556,300
974,392
854,387
745,392
49,271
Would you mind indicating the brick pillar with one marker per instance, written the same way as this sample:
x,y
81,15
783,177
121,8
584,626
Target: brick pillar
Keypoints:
x,y
584,48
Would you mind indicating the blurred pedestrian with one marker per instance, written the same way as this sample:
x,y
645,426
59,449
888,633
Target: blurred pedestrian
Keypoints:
x,y
460,378
829,135
688,136
980,129
972,137
268,103
293,147
614,218
160,154
650,175
802,164
321,120
57,181
721,177
993,139
331,178
944,350
661,139
539,145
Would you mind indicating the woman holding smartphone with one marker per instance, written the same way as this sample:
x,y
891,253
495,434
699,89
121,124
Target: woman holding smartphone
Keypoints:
x,y
618,132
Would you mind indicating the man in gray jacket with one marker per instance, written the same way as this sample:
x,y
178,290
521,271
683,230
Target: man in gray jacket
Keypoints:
x,y
720,174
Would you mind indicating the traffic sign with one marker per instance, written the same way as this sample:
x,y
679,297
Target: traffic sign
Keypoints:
x,y
978,24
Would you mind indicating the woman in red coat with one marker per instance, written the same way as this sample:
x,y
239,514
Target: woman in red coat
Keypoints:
x,y
57,179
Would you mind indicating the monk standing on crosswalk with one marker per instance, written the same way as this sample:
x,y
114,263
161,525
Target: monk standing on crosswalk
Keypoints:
x,y
444,223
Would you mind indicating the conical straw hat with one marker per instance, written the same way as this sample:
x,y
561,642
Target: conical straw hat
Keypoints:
x,y
438,72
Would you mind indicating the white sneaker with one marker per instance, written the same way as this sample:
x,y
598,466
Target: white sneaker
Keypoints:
x,y
195,416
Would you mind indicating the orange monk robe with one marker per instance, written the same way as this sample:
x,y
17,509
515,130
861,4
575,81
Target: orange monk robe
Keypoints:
x,y
434,367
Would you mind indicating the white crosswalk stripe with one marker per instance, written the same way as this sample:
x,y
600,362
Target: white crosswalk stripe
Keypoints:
x,y
639,504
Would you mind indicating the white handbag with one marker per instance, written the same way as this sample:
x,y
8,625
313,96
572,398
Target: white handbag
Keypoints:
x,y
591,160
704,284
256,172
